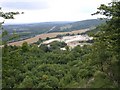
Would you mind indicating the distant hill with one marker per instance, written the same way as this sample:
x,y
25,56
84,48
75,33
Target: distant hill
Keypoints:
x,y
33,29
30,30
79,25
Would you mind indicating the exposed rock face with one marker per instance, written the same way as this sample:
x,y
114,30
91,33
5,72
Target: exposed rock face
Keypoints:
x,y
71,41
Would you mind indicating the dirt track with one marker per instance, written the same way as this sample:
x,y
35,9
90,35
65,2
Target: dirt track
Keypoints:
x,y
43,36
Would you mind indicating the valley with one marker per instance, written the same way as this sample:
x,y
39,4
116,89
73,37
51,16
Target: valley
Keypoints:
x,y
21,32
44,36
31,33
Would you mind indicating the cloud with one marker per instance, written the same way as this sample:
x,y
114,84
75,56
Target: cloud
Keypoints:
x,y
52,10
22,5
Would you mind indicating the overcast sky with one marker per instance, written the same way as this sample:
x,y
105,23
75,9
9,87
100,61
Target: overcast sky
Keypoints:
x,y
51,10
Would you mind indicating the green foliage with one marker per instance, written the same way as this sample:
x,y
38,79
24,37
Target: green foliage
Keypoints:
x,y
44,48
8,15
33,67
25,47
57,45
27,83
4,33
47,38
100,80
95,66
108,46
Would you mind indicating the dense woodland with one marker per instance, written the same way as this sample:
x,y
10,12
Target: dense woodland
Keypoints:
x,y
94,66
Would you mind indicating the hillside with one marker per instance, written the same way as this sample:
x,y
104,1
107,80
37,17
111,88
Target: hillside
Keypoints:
x,y
79,25
26,31
30,30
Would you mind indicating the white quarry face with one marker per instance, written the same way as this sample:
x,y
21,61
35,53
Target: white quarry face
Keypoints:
x,y
71,41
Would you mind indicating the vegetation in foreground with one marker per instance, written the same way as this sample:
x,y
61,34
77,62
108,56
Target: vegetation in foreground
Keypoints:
x,y
95,66
33,67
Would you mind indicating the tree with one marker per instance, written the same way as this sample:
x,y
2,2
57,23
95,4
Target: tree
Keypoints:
x,y
47,38
109,37
53,82
44,48
27,83
110,33
6,15
25,47
4,33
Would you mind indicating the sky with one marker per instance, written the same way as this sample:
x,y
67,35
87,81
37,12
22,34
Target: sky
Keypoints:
x,y
51,10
